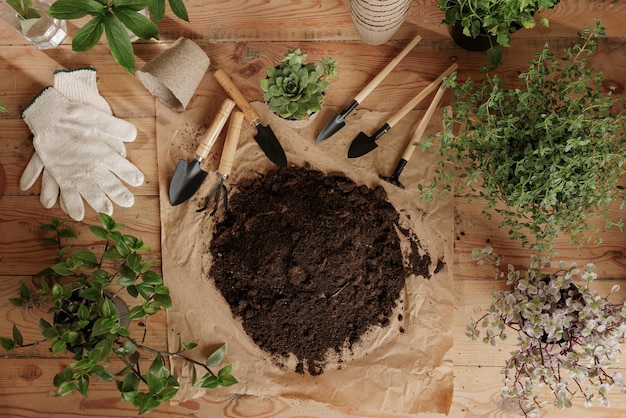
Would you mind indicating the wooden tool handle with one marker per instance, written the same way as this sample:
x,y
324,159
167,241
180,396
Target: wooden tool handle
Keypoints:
x,y
230,146
227,84
214,130
421,96
421,128
385,71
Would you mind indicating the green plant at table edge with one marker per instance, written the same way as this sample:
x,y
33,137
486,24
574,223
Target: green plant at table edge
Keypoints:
x,y
90,328
547,155
114,17
294,89
3,109
568,335
494,17
28,15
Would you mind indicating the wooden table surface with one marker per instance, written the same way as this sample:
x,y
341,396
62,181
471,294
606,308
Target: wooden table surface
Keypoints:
x,y
244,37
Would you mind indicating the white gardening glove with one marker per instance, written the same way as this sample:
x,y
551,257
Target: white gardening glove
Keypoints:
x,y
74,143
78,85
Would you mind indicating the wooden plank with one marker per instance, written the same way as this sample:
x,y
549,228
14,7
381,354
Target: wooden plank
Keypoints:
x,y
21,216
27,391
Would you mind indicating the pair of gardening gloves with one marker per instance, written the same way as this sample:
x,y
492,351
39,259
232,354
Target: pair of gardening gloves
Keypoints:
x,y
79,147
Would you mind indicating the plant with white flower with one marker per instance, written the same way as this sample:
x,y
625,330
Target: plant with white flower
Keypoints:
x,y
568,335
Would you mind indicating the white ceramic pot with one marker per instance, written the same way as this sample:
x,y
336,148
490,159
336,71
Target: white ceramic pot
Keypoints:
x,y
377,20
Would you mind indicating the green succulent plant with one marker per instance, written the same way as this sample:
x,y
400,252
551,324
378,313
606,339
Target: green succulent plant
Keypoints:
x,y
294,89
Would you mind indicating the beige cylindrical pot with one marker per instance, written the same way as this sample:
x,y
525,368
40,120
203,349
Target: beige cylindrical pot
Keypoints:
x,y
377,20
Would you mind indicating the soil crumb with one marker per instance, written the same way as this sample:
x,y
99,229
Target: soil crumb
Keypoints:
x,y
309,262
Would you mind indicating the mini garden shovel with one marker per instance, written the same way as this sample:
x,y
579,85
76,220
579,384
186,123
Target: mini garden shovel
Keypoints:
x,y
416,137
339,120
363,143
188,175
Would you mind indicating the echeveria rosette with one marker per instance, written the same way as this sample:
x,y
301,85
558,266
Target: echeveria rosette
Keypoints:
x,y
295,89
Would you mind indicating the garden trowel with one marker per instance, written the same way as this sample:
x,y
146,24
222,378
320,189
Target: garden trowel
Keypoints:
x,y
339,120
415,138
363,143
265,137
188,175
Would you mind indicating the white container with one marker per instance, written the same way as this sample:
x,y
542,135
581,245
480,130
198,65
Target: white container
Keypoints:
x,y
34,24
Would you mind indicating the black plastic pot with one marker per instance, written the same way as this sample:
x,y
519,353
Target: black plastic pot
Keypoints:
x,y
62,317
482,42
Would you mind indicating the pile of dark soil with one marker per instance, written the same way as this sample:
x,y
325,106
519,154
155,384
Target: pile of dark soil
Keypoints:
x,y
309,262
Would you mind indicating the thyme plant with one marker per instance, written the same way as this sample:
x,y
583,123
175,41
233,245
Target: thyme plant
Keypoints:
x,y
546,155
81,290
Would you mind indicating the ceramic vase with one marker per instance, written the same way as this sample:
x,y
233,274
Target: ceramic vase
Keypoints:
x,y
378,20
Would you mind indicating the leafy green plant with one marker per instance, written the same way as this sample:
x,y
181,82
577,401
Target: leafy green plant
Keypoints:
x,y
568,335
28,15
294,89
494,17
3,109
546,155
115,18
82,290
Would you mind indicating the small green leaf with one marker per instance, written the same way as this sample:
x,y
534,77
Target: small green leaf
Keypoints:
x,y
139,24
164,301
17,336
225,371
190,346
24,292
217,356
82,384
151,278
7,343
136,312
65,388
208,381
107,221
75,9
103,373
58,347
178,7
146,402
157,9
67,233
87,258
61,269
90,293
88,36
228,380
19,302
98,231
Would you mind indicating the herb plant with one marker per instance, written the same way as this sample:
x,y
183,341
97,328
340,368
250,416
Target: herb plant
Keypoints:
x,y
494,17
82,290
568,335
295,89
114,17
546,155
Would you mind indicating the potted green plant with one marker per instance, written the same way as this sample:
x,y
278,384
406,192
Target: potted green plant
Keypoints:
x,y
546,155
481,25
115,18
84,293
294,89
567,334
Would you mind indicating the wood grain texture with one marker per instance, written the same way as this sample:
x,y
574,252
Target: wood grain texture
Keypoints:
x,y
244,37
